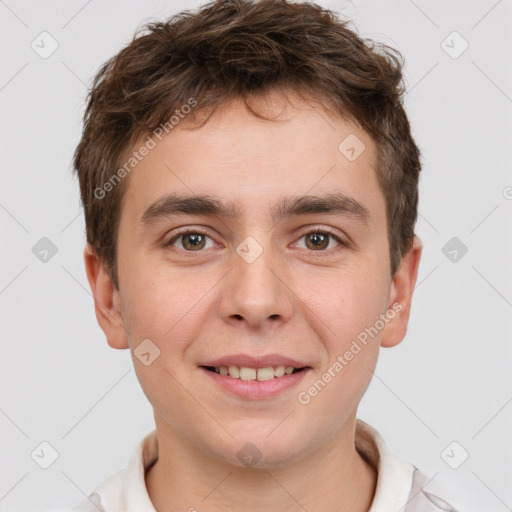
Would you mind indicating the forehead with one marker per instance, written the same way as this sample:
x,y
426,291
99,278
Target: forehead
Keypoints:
x,y
249,164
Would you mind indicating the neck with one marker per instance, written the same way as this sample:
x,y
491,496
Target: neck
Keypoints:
x,y
332,477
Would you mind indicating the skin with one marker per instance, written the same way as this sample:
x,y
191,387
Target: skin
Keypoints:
x,y
294,299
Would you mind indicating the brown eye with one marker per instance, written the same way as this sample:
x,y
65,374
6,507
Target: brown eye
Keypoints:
x,y
193,241
190,241
317,240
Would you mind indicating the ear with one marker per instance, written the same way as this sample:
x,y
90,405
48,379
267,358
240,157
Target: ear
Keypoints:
x,y
400,296
107,302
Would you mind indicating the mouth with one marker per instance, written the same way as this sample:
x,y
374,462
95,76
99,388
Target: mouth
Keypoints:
x,y
261,381
252,373
254,377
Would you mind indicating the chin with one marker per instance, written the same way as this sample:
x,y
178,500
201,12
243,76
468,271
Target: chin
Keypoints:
x,y
259,450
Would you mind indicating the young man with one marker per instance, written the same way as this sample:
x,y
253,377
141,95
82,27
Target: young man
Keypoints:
x,y
250,187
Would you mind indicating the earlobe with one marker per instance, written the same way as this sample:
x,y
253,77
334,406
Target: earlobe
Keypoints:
x,y
400,296
106,300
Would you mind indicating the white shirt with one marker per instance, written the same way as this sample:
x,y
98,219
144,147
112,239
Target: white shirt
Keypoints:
x,y
399,484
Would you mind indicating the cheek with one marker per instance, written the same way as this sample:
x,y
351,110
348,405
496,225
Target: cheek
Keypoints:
x,y
351,351
164,313
162,307
352,304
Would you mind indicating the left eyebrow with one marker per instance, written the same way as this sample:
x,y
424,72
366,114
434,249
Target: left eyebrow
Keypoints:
x,y
331,204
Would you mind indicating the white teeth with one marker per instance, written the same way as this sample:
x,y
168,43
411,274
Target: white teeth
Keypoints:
x,y
247,373
265,373
234,371
279,371
261,374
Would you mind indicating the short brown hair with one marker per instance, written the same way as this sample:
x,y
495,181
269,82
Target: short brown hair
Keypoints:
x,y
235,49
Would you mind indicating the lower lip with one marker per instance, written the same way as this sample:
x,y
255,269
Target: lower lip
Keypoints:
x,y
256,389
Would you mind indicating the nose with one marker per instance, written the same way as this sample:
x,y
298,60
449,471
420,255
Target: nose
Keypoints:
x,y
256,291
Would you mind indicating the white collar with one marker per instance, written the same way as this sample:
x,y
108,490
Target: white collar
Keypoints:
x,y
394,475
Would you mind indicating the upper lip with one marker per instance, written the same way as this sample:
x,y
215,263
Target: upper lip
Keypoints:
x,y
249,361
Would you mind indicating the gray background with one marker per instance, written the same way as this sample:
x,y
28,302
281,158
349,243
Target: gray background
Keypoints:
x,y
448,381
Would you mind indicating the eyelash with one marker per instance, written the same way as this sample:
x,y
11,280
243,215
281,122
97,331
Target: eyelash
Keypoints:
x,y
341,241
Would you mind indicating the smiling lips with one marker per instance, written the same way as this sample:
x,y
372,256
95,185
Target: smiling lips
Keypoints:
x,y
255,382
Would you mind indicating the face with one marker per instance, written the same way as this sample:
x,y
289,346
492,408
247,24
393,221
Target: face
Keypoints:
x,y
256,277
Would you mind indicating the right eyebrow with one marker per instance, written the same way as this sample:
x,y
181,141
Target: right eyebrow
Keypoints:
x,y
174,204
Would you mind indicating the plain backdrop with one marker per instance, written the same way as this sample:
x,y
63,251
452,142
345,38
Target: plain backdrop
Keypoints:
x,y
441,399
